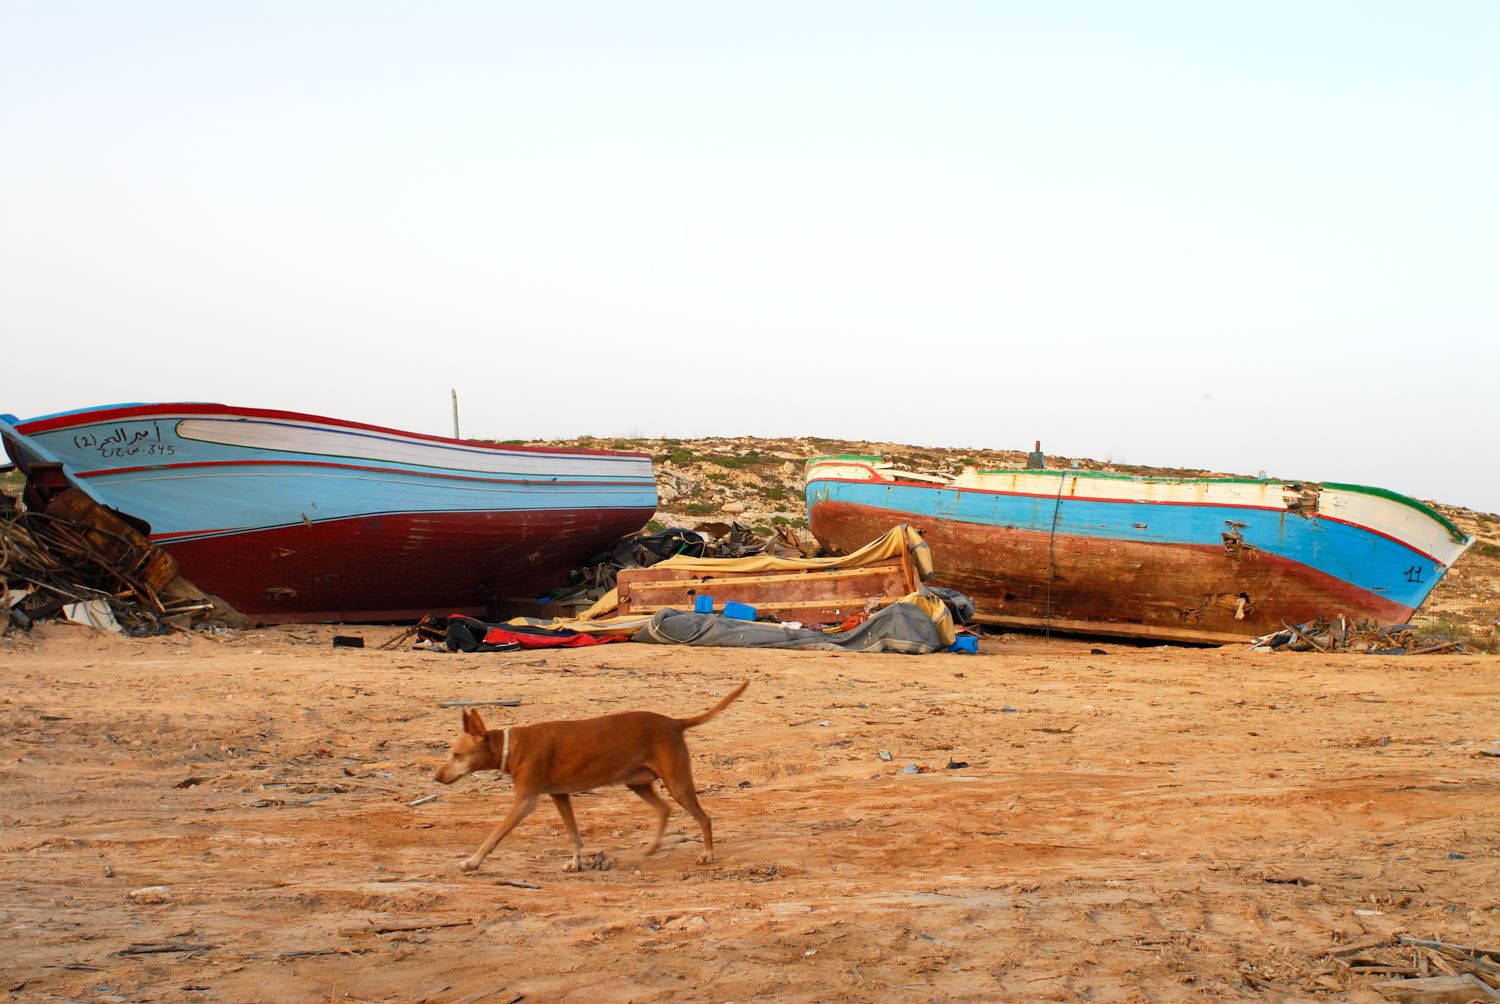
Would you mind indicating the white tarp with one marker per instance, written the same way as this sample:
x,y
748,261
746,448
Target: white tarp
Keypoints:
x,y
94,613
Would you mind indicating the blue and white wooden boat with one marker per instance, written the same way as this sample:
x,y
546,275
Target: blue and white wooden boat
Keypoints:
x,y
1191,559
293,517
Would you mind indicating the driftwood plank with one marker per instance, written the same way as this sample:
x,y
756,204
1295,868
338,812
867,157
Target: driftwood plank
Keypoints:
x,y
420,925
393,642
1387,970
1474,950
163,948
299,953
1354,948
1437,990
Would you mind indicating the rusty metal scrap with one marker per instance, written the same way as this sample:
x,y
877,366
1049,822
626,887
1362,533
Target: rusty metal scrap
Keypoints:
x,y
77,552
105,538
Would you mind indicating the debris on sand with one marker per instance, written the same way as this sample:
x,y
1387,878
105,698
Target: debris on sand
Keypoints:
x,y
1419,969
1339,634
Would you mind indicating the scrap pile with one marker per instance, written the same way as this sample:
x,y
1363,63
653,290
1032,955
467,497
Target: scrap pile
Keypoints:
x,y
642,550
78,561
1338,634
1420,969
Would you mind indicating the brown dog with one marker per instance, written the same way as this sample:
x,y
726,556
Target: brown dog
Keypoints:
x,y
632,748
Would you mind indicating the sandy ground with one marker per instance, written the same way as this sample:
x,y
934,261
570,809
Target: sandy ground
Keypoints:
x,y
1091,821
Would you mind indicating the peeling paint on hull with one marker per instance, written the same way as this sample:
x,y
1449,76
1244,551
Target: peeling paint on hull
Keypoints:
x,y
1112,585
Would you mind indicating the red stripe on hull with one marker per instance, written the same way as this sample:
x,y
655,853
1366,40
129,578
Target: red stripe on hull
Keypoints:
x,y
398,567
1116,586
334,466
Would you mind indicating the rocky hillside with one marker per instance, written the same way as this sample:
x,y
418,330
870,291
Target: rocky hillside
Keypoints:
x,y
758,482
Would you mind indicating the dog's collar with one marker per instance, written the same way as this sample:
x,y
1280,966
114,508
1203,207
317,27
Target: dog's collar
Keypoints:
x,y
505,751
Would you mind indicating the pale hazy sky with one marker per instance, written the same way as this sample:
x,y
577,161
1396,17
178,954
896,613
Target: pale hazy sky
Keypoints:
x,y
1240,236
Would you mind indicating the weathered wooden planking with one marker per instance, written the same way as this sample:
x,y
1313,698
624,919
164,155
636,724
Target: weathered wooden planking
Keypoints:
x,y
823,596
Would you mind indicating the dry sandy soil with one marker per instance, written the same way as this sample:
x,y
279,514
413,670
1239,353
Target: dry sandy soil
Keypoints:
x,y
1090,821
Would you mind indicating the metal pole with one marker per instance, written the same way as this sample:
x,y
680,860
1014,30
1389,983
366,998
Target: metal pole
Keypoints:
x,y
455,414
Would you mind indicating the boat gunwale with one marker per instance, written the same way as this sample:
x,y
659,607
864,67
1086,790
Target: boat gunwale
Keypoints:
x,y
105,413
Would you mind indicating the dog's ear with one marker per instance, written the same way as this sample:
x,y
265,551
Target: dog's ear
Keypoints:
x,y
473,724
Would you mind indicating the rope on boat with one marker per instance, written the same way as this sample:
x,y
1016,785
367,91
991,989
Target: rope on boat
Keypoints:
x,y
1052,554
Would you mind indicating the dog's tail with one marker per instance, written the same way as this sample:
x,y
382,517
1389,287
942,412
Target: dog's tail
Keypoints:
x,y
688,723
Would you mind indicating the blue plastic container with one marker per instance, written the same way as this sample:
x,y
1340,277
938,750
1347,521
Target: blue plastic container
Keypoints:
x,y
739,611
967,645
703,604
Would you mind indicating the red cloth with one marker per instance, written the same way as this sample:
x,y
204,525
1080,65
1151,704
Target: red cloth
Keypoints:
x,y
853,621
500,636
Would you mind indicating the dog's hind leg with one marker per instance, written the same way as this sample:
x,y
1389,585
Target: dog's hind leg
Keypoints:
x,y
679,782
648,794
519,810
565,810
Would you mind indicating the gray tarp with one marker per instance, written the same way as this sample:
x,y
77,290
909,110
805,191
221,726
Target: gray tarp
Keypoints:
x,y
900,627
961,606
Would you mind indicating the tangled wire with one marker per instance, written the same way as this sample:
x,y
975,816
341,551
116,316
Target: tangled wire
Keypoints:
x,y
60,562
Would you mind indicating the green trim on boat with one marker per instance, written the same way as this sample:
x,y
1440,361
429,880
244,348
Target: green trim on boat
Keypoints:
x,y
845,456
1128,477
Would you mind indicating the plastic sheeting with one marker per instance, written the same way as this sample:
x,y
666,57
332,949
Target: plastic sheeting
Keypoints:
x,y
462,633
957,603
904,627
93,613
926,603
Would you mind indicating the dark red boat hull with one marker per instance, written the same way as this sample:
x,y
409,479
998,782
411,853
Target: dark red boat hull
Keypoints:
x,y
398,566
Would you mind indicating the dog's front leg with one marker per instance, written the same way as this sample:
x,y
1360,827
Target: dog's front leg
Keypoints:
x,y
519,810
565,810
